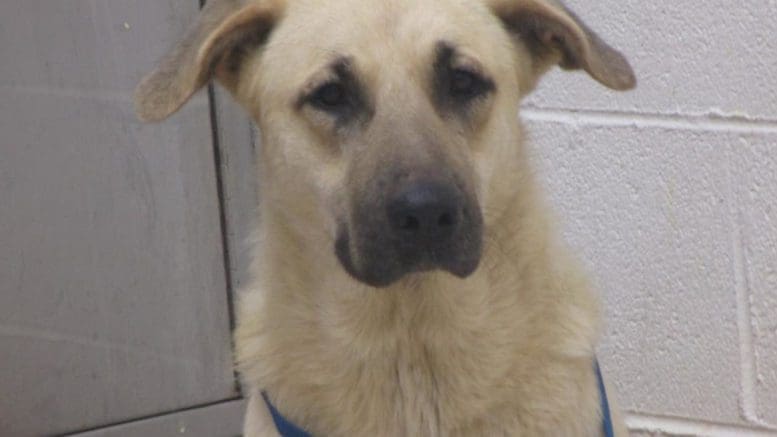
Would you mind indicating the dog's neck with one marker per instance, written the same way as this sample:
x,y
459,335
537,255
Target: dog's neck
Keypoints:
x,y
321,342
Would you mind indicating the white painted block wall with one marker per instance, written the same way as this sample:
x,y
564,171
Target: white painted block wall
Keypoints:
x,y
669,195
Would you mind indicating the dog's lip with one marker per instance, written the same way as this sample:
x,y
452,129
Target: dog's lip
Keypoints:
x,y
343,253
461,267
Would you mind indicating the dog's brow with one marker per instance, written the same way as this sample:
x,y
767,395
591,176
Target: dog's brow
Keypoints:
x,y
341,67
355,105
450,59
445,51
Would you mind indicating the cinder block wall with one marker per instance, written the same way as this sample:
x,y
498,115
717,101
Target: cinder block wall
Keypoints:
x,y
669,194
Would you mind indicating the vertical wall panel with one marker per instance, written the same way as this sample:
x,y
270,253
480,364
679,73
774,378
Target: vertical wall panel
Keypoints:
x,y
113,298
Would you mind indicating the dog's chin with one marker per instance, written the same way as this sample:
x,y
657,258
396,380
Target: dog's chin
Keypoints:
x,y
384,271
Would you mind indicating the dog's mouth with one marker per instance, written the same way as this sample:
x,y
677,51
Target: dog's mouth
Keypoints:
x,y
380,262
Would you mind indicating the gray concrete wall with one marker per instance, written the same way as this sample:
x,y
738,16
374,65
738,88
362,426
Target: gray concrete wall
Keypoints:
x,y
669,193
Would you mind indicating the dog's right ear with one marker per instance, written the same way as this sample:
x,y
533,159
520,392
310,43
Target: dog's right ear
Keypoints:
x,y
213,47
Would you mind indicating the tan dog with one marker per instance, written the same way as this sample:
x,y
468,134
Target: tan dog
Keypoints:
x,y
406,282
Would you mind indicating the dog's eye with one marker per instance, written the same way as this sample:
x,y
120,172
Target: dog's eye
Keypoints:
x,y
466,85
329,96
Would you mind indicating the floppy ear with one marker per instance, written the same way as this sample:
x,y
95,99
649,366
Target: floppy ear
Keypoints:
x,y
214,46
554,34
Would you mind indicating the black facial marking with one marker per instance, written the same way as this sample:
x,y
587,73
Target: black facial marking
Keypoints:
x,y
456,88
409,225
342,97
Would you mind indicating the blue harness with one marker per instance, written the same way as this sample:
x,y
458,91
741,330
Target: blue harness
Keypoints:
x,y
285,428
605,404
288,429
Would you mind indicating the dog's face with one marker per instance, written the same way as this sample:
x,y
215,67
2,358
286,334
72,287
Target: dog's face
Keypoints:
x,y
384,121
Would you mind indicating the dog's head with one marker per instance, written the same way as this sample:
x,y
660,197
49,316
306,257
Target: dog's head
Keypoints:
x,y
384,121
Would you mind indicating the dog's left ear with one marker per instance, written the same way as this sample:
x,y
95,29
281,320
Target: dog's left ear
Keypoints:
x,y
554,34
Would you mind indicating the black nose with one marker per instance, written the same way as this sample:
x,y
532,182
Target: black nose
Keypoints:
x,y
425,213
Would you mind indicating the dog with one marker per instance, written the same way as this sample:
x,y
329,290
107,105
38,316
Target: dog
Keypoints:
x,y
406,279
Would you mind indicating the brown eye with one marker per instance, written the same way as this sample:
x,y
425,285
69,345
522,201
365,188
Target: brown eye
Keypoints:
x,y
462,82
329,96
465,85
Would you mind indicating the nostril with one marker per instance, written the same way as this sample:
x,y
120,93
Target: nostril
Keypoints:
x,y
445,221
409,223
423,213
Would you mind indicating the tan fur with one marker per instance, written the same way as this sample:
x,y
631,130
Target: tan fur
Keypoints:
x,y
507,350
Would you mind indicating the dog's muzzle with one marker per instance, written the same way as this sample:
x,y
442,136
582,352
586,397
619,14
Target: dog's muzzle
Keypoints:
x,y
421,226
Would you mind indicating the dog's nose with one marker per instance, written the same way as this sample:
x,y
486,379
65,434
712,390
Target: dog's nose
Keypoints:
x,y
425,212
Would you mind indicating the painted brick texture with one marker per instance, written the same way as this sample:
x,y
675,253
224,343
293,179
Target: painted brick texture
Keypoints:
x,y
669,195
713,58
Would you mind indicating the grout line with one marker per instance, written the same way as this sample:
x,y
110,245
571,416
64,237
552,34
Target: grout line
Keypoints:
x,y
714,115
689,427
679,122
748,406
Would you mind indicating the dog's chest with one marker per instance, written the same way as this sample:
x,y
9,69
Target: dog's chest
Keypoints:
x,y
410,394
421,391
475,371
423,394
417,390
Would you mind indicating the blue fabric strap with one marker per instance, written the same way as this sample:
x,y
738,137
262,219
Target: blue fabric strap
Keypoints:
x,y
605,404
288,429
285,428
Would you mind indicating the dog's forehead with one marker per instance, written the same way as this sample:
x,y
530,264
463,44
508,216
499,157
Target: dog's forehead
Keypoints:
x,y
378,34
346,19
